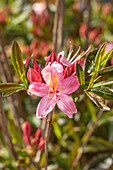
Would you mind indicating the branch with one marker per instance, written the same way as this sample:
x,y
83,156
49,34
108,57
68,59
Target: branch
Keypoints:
x,y
9,78
3,122
58,25
89,133
48,129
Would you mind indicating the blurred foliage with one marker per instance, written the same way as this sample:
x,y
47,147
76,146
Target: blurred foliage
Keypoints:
x,y
33,32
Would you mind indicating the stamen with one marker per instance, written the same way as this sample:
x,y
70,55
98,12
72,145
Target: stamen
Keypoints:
x,y
82,54
70,51
59,90
75,54
50,95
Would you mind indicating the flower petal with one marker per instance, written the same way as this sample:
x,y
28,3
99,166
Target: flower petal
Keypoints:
x,y
36,67
69,85
62,59
53,70
45,106
66,104
38,89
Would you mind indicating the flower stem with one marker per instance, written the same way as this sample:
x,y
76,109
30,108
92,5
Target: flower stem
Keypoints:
x,y
48,129
89,133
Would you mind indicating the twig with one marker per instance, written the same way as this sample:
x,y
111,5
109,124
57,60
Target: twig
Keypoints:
x,y
9,78
48,129
3,122
88,4
89,133
58,25
10,99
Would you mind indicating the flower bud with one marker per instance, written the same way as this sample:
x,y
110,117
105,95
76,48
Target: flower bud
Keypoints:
x,y
38,134
34,140
26,139
41,144
33,76
26,128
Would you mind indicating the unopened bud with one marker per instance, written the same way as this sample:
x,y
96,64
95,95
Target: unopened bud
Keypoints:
x,y
38,134
41,144
26,128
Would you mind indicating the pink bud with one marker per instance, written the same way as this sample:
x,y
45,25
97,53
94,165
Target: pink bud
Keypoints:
x,y
26,139
26,128
27,61
33,76
36,67
38,134
41,144
34,140
51,58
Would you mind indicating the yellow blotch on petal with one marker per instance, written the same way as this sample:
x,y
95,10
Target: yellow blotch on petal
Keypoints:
x,y
53,81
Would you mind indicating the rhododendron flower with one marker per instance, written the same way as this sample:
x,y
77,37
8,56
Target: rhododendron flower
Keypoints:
x,y
55,90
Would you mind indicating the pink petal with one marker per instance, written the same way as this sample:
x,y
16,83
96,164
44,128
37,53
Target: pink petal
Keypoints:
x,y
45,106
109,46
36,67
55,69
27,61
69,85
62,59
38,89
66,104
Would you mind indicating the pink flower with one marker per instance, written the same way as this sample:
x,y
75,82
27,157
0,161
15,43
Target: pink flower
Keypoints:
x,y
55,90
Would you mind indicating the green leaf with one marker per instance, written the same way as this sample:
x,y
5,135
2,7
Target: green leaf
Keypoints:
x,y
106,70
91,109
15,133
17,60
9,88
103,83
104,92
80,74
57,130
106,57
97,100
96,67
98,58
89,61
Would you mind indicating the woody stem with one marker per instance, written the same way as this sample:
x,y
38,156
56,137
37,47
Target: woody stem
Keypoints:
x,y
48,129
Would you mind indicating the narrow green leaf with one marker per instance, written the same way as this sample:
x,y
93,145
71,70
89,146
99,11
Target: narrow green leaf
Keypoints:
x,y
103,83
105,93
80,74
89,61
57,130
96,67
99,55
5,87
17,60
9,88
97,100
106,57
15,133
106,70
